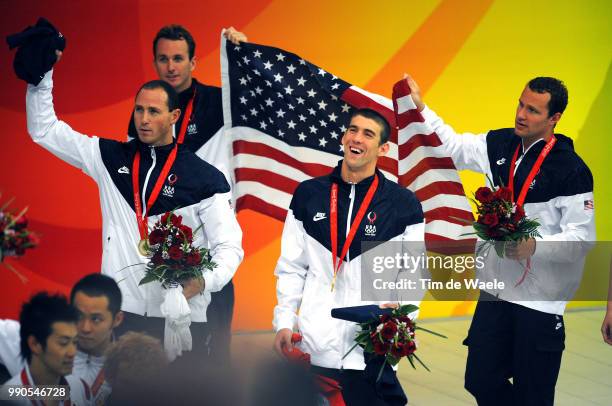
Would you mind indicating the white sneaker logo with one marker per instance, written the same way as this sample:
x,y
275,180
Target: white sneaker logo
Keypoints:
x,y
501,161
319,216
124,169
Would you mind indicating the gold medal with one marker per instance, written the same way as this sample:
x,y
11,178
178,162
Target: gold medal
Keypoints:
x,y
143,248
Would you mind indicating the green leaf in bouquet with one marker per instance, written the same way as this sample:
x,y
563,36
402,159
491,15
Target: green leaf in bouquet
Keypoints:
x,y
406,309
430,332
420,362
410,360
150,277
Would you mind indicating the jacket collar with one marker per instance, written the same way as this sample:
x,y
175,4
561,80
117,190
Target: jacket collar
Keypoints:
x,y
336,177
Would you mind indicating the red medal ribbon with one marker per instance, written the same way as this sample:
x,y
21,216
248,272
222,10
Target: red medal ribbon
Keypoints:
x,y
186,119
97,383
333,226
142,220
534,171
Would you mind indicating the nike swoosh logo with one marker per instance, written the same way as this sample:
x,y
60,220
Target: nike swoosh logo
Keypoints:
x,y
319,216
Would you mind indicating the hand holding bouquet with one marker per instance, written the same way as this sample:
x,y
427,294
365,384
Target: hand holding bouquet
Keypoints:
x,y
173,258
391,335
501,221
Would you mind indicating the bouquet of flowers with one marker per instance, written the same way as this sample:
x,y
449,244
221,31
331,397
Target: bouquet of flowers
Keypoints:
x,y
392,336
15,237
500,219
173,258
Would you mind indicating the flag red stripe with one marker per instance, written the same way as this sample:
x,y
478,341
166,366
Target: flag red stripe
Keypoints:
x,y
260,206
259,149
418,140
271,179
387,164
410,116
423,166
446,214
438,188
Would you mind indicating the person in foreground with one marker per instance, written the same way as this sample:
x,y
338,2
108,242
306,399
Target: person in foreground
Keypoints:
x,y
48,338
97,299
518,331
355,195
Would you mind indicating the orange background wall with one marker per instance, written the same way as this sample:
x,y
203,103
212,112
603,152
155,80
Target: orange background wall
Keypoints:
x,y
471,58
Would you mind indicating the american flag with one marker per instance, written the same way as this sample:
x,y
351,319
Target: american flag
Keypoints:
x,y
286,117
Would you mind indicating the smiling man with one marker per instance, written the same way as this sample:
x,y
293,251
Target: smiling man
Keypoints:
x,y
48,338
138,182
518,332
309,284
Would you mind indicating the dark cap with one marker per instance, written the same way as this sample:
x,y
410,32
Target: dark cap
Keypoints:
x,y
36,50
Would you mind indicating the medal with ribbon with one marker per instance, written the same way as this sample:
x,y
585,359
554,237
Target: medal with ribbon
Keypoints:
x,y
333,226
143,228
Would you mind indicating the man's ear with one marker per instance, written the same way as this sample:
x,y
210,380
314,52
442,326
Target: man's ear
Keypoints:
x,y
554,119
176,113
34,345
118,319
192,62
383,149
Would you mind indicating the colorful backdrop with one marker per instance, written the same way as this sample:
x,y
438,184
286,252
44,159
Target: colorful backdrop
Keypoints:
x,y
471,58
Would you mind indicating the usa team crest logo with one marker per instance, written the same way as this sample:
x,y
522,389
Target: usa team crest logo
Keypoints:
x,y
370,228
168,189
192,129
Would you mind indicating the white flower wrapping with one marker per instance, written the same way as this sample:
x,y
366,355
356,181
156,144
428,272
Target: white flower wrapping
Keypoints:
x,y
177,336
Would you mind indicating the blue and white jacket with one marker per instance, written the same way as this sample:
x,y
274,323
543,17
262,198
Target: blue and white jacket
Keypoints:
x,y
305,271
194,189
560,199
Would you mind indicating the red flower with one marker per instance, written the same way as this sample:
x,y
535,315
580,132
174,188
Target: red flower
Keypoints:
x,y
484,194
519,214
408,348
21,223
157,259
176,220
398,350
384,318
389,329
156,237
490,220
185,233
406,319
194,258
164,218
175,252
380,348
504,193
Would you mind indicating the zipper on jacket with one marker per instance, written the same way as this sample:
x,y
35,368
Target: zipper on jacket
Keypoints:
x,y
146,182
348,228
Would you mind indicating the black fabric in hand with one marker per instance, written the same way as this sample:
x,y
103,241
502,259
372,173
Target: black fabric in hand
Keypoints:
x,y
36,50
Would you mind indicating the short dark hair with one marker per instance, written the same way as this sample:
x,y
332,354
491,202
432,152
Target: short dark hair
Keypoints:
x,y
175,32
173,101
556,89
385,128
37,317
97,285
